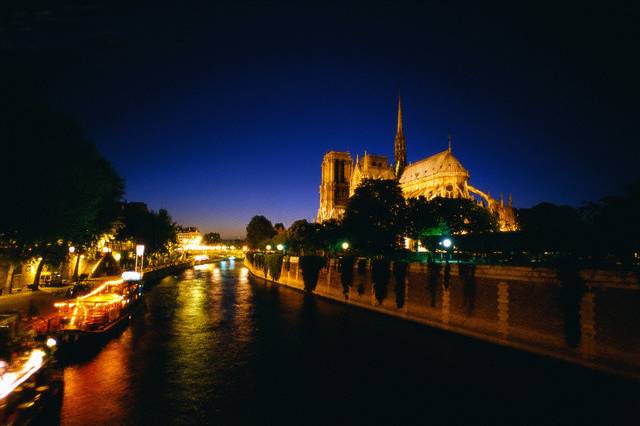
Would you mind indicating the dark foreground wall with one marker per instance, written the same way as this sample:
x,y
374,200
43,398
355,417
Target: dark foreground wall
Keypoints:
x,y
596,325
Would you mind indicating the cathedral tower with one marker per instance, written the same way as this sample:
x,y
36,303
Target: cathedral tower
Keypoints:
x,y
334,189
399,145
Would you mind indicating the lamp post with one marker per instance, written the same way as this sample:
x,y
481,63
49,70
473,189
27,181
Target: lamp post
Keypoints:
x,y
139,252
447,244
345,246
74,277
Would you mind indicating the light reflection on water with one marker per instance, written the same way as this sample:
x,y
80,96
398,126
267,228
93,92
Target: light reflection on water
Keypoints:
x,y
172,360
217,347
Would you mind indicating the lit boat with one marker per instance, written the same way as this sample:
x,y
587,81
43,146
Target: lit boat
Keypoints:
x,y
97,313
30,388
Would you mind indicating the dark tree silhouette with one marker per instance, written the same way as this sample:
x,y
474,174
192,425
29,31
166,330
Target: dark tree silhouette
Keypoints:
x,y
259,231
303,237
211,238
61,190
141,225
374,218
446,216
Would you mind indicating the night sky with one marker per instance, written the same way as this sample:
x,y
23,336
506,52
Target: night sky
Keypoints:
x,y
221,111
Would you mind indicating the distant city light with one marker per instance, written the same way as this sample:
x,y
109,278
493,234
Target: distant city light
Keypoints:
x,y
140,249
51,342
201,257
447,243
117,256
72,249
106,249
245,248
268,246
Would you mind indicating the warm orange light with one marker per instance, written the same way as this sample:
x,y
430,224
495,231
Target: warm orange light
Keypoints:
x,y
32,365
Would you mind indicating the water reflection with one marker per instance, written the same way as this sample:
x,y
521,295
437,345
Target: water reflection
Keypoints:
x,y
218,347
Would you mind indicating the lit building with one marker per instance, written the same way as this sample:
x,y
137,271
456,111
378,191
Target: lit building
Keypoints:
x,y
440,175
188,237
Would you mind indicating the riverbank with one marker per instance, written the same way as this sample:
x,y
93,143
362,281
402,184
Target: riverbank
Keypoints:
x,y
510,307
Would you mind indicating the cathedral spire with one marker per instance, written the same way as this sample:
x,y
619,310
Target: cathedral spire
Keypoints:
x,y
449,140
399,144
399,128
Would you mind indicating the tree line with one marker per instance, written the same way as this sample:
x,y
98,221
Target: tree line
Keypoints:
x,y
378,218
59,192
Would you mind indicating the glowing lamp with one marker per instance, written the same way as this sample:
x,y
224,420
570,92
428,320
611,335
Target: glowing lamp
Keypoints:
x,y
280,247
72,249
51,342
140,249
131,276
345,245
447,243
117,256
268,246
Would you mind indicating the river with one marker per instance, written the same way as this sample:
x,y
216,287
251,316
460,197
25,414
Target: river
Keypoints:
x,y
215,346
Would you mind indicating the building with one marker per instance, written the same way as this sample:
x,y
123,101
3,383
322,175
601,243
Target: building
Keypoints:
x,y
440,175
188,236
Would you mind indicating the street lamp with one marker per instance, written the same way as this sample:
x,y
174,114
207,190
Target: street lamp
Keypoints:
x,y
268,247
280,247
345,246
72,250
139,252
446,243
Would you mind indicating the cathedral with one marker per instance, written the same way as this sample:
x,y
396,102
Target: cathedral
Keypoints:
x,y
440,175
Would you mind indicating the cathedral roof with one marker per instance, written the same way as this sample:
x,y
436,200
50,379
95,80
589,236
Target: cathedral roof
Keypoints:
x,y
442,162
373,167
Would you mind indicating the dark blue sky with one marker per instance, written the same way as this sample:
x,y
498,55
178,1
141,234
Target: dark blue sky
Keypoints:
x,y
220,112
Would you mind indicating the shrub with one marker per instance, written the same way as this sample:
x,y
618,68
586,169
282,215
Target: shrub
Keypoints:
x,y
310,266
274,265
362,266
380,277
400,273
346,273
433,276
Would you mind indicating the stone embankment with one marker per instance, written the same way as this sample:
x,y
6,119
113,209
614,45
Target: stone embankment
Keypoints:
x,y
526,308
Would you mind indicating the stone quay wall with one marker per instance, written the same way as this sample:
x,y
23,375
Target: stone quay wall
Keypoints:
x,y
519,307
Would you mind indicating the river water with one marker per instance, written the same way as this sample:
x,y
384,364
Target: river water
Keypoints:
x,y
215,346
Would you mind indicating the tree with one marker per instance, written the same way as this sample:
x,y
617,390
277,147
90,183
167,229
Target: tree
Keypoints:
x,y
302,237
211,238
61,190
374,218
549,227
612,225
259,230
144,226
330,235
446,216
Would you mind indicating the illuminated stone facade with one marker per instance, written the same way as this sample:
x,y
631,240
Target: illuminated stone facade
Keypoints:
x,y
440,175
